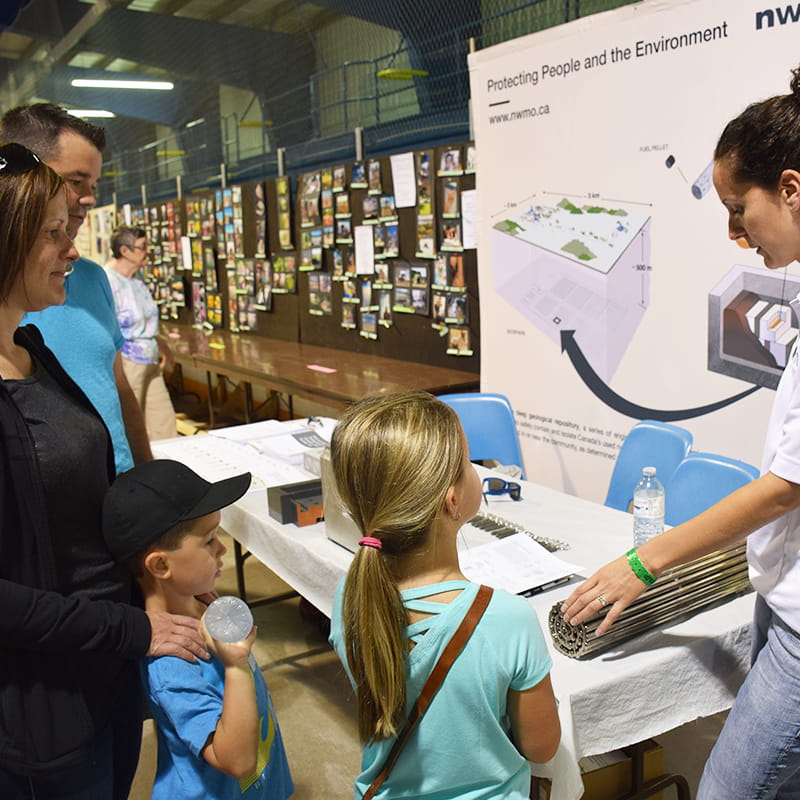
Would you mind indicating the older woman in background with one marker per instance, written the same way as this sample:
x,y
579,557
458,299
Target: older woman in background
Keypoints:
x,y
137,314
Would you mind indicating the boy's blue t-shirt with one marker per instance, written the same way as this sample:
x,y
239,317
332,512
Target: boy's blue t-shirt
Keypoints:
x,y
186,702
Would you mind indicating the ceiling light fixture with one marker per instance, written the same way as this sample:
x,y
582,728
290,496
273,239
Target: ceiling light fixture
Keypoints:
x,y
91,83
86,113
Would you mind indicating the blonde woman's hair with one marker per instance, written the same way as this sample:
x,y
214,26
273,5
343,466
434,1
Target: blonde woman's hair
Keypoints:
x,y
394,459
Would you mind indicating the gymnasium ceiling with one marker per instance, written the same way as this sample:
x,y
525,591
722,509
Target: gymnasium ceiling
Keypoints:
x,y
254,45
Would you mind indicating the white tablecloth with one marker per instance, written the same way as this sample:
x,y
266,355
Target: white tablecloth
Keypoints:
x,y
646,687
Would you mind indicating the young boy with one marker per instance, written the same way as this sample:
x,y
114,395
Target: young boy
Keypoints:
x,y
217,732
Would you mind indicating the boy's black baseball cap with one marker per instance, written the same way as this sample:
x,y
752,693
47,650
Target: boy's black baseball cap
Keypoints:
x,y
146,501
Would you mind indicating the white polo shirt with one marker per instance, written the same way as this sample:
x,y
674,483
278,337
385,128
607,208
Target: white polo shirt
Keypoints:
x,y
773,552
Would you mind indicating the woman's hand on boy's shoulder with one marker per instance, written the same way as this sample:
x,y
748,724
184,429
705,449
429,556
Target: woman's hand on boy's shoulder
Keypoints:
x,y
176,635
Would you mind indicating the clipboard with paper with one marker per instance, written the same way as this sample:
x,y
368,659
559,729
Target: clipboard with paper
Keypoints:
x,y
517,564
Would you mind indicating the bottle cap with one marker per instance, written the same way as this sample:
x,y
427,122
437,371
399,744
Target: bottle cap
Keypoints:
x,y
229,619
649,471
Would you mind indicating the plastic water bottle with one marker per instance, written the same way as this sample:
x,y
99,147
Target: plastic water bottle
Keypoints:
x,y
648,507
229,619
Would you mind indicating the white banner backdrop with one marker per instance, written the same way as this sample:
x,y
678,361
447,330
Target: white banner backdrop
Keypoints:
x,y
609,289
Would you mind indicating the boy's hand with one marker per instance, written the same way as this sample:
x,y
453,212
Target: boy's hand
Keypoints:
x,y
176,635
231,654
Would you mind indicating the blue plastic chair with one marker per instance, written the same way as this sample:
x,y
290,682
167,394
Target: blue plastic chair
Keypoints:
x,y
489,425
649,443
701,480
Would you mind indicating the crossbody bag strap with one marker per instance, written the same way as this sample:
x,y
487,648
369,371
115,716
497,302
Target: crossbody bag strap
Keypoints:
x,y
446,659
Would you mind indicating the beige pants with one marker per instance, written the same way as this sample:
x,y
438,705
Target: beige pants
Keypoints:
x,y
151,392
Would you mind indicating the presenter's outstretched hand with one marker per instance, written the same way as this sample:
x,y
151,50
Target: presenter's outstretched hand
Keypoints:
x,y
615,583
176,635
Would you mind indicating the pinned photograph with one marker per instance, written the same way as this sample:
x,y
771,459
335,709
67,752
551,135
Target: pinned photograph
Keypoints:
x,y
470,166
339,179
348,316
314,302
425,237
423,161
381,272
450,162
388,210
440,270
369,325
402,301
391,240
439,307
344,231
455,271
385,308
245,276
349,292
199,303
419,301
338,263
366,294
325,294
374,176
197,258
370,207
214,310
379,241
283,274
459,342
263,299
457,310
358,176
451,235
402,275
450,200
424,204
419,276
342,205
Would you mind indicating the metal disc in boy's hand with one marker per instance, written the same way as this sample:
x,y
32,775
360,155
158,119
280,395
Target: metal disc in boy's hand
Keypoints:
x,y
229,619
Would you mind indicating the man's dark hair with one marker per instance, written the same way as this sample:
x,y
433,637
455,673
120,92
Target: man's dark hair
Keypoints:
x,y
39,126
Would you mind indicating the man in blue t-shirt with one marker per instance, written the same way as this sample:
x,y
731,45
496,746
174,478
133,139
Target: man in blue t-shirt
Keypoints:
x,y
83,332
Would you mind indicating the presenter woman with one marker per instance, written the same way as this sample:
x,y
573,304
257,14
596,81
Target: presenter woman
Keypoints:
x,y
757,177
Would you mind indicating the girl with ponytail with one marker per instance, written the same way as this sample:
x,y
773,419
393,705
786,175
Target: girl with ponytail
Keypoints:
x,y
403,474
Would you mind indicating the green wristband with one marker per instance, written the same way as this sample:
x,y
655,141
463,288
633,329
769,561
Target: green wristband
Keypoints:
x,y
639,569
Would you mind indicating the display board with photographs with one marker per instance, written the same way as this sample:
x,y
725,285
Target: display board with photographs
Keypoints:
x,y
418,280
351,255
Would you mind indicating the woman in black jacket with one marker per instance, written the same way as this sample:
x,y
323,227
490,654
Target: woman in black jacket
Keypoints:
x,y
70,713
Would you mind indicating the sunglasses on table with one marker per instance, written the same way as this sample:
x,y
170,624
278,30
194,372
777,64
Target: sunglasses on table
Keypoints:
x,y
499,486
16,159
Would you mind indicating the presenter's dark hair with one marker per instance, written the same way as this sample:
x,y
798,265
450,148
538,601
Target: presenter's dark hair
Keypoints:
x,y
764,139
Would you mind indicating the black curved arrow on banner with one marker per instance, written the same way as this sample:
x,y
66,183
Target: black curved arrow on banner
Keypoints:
x,y
613,400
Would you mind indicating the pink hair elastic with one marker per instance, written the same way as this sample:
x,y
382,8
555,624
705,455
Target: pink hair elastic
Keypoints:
x,y
370,541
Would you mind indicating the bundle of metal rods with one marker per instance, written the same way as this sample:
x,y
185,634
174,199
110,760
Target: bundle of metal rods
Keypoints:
x,y
677,594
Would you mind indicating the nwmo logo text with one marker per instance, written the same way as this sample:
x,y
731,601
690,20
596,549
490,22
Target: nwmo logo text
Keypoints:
x,y
783,16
